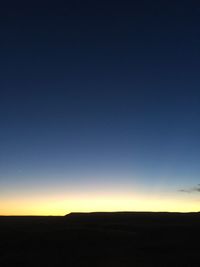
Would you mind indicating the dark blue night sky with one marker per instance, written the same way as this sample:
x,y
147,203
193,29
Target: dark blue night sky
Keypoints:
x,y
99,106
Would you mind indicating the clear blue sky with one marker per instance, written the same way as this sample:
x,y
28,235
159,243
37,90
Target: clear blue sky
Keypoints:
x,y
99,103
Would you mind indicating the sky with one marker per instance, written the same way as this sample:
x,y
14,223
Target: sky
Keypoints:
x,y
99,107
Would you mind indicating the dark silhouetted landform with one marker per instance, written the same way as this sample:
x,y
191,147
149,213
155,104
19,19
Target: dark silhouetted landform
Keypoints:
x,y
101,239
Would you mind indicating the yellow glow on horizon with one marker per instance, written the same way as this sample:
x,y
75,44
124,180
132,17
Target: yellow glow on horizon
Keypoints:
x,y
61,205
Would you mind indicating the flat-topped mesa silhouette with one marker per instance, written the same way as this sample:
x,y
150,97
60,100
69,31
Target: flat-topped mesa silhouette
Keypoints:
x,y
125,217
113,213
118,214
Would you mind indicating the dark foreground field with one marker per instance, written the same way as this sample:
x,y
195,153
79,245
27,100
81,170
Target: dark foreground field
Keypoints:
x,y
101,239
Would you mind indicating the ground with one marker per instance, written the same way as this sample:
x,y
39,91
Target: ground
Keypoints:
x,y
101,239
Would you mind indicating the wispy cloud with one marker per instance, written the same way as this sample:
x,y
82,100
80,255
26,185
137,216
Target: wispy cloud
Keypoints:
x,y
191,189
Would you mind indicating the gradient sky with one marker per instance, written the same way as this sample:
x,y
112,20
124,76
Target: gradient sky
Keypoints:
x,y
99,107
